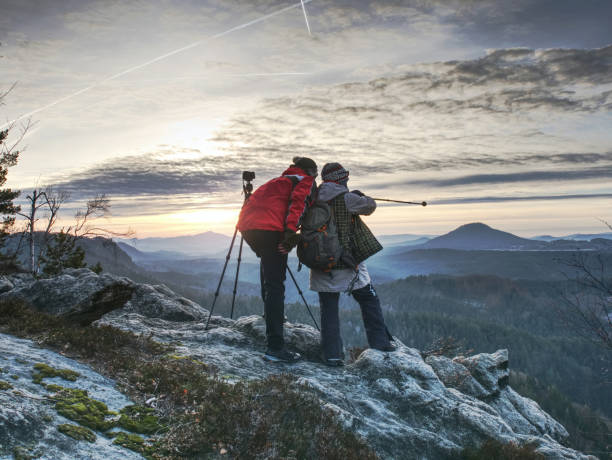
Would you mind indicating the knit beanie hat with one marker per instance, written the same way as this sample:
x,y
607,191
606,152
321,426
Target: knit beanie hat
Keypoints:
x,y
306,164
334,172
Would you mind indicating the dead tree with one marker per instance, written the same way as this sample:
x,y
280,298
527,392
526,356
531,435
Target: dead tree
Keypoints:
x,y
8,158
36,200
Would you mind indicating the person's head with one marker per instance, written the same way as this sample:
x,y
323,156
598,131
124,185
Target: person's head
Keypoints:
x,y
307,165
334,172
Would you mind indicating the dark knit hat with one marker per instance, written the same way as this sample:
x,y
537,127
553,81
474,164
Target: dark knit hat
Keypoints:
x,y
307,165
334,172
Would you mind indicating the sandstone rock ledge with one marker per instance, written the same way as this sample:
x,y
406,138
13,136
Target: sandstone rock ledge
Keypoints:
x,y
405,406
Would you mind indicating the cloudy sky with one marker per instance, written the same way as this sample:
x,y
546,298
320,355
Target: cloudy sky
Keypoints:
x,y
492,111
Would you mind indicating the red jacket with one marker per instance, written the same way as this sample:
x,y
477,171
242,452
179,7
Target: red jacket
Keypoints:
x,y
279,204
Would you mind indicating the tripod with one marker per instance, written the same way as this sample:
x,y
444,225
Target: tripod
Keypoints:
x,y
247,189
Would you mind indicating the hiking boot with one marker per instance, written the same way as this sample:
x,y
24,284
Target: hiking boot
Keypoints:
x,y
390,347
281,356
333,362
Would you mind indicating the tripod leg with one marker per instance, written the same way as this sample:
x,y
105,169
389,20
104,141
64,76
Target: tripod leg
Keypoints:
x,y
227,258
236,280
303,298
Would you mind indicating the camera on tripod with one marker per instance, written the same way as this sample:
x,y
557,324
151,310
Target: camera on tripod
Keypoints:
x,y
247,189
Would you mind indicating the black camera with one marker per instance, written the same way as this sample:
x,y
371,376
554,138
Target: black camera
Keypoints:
x,y
248,175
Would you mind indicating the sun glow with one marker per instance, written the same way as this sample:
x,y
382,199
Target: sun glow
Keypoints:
x,y
194,135
220,220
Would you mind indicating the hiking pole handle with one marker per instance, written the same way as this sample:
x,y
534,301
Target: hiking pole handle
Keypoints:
x,y
422,203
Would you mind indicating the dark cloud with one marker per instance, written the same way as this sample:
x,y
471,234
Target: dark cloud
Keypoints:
x,y
551,67
540,23
161,174
604,172
500,199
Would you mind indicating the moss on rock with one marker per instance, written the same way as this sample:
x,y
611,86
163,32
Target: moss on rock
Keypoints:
x,y
140,419
5,385
43,371
135,443
24,453
77,432
77,406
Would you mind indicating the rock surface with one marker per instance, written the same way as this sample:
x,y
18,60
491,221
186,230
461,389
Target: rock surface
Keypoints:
x,y
28,420
83,296
405,406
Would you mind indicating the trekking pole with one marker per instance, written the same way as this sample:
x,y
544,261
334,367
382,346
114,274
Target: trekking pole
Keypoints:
x,y
227,258
422,203
303,298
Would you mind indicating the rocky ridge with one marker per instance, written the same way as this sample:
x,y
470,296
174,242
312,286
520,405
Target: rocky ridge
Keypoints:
x,y
404,405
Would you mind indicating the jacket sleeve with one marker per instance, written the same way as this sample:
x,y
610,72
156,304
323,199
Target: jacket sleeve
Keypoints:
x,y
301,197
356,204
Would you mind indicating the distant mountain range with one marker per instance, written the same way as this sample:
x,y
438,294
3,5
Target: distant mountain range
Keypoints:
x,y
201,244
473,236
407,239
575,236
479,236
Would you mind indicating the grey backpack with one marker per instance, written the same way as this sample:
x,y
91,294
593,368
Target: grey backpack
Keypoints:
x,y
320,246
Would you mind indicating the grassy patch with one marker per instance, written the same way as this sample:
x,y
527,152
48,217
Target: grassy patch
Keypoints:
x,y
77,432
200,414
42,371
496,450
5,385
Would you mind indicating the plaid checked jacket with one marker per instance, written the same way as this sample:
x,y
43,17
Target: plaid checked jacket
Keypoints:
x,y
355,236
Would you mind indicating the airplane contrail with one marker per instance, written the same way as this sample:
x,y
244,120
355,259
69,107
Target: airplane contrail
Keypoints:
x,y
306,17
159,58
237,75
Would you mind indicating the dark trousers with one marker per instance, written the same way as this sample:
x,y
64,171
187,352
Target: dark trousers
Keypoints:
x,y
373,321
273,267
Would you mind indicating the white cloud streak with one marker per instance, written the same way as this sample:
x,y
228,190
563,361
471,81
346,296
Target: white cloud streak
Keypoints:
x,y
158,59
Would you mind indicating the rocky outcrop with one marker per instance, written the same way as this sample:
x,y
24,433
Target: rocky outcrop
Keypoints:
x,y
407,407
84,297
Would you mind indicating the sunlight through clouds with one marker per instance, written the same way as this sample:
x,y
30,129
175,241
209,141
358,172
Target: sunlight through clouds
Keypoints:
x,y
440,100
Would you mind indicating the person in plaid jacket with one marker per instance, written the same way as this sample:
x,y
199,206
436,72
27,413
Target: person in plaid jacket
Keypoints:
x,y
356,238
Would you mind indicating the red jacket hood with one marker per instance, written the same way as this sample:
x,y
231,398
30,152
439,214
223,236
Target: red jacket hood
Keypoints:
x,y
294,170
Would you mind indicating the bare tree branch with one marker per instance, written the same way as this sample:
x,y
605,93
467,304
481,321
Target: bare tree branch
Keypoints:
x,y
587,304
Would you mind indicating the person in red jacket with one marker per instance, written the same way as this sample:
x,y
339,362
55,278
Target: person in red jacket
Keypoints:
x,y
269,222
